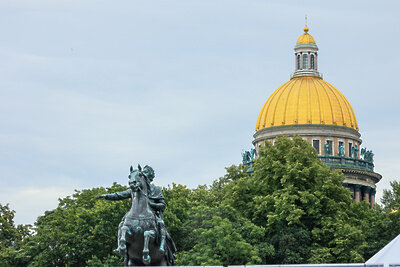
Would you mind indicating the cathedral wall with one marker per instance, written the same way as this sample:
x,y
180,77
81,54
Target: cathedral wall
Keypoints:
x,y
310,133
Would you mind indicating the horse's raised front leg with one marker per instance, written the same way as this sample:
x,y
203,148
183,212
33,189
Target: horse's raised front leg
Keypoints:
x,y
122,240
146,257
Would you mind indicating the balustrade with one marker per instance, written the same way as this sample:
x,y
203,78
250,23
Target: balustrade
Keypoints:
x,y
344,162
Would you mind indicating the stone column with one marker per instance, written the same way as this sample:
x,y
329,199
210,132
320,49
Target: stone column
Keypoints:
x,y
367,189
357,192
373,192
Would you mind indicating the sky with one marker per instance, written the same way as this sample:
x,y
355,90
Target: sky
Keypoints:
x,y
89,88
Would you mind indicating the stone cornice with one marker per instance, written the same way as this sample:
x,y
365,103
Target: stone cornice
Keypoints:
x,y
376,177
306,130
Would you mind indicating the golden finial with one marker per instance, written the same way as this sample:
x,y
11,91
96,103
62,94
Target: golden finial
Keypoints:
x,y
306,28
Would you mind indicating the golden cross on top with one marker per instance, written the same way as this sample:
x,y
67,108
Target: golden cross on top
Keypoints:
x,y
306,20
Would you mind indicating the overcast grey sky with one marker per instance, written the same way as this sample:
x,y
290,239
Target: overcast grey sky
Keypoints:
x,y
88,88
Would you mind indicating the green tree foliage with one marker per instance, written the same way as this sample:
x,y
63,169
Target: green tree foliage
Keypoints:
x,y
12,238
107,261
301,203
79,229
374,224
177,212
219,243
209,233
391,202
381,224
11,235
292,209
391,198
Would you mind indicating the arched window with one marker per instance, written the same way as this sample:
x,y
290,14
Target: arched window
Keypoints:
x,y
305,61
312,62
298,62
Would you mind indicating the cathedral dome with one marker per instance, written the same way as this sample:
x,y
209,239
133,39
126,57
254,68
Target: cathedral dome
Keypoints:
x,y
305,38
306,100
309,107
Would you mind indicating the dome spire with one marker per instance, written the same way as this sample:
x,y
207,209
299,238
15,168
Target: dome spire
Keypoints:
x,y
305,27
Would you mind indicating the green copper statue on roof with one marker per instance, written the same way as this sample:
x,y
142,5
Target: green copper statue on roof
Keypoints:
x,y
367,155
354,151
327,149
341,150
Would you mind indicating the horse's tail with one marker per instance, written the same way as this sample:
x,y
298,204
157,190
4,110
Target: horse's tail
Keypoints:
x,y
159,236
170,251
126,258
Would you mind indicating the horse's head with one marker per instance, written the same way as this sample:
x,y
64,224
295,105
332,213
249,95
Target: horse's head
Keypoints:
x,y
137,181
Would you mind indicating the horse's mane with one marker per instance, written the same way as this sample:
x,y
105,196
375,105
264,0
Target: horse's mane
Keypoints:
x,y
147,182
148,185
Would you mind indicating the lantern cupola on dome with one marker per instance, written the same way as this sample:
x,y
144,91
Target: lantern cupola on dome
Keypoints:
x,y
306,53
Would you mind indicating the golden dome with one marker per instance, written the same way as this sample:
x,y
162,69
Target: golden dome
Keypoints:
x,y
305,38
306,100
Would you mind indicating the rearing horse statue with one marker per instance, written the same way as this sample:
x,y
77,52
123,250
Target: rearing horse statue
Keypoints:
x,y
142,237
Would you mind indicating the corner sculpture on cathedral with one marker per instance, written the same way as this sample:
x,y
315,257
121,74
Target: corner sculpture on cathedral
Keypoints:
x,y
142,236
248,158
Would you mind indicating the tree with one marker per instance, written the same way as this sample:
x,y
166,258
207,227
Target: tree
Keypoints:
x,y
292,209
391,205
207,232
374,224
176,214
11,238
301,203
219,244
391,198
79,229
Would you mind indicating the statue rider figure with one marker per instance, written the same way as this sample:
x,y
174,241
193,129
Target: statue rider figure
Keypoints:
x,y
157,204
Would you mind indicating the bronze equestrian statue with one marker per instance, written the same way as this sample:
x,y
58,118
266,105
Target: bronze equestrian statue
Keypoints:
x,y
142,237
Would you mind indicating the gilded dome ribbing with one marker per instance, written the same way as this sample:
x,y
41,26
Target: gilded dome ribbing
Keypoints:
x,y
306,100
